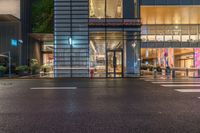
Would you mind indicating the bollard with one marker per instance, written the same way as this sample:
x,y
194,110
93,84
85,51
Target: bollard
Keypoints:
x,y
154,73
173,74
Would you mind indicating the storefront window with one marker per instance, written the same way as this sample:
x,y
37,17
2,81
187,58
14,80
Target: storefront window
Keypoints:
x,y
105,9
193,38
151,38
98,54
176,38
160,38
168,38
193,33
185,38
106,49
144,38
114,40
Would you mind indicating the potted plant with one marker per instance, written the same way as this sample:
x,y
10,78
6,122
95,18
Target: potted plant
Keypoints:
x,y
35,67
46,68
22,70
2,71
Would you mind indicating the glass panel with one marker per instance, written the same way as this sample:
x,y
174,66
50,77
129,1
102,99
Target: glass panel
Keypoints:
x,y
160,38
113,8
151,38
168,38
111,59
98,54
193,33
97,8
118,63
144,38
185,38
114,40
193,38
176,38
114,63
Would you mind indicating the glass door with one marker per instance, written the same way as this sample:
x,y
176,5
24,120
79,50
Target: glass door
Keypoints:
x,y
114,63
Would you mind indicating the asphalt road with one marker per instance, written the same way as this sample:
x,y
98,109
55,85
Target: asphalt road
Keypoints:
x,y
97,106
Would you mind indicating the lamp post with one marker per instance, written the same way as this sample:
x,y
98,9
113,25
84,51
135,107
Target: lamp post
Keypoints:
x,y
9,61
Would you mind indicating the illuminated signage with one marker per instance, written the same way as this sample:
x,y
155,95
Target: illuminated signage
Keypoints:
x,y
14,42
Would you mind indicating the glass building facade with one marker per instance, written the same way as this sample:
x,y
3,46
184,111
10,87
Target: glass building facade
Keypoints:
x,y
101,37
170,34
111,38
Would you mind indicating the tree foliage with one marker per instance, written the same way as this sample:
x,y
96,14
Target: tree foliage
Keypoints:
x,y
42,16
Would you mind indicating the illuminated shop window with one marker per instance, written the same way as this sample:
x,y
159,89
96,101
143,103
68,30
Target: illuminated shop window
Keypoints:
x,y
168,38
151,38
105,9
176,38
185,38
193,33
144,38
160,38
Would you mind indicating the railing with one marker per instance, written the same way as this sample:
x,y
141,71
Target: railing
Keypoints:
x,y
185,72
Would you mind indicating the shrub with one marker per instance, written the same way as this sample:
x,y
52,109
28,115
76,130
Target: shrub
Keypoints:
x,y
2,69
46,68
35,67
22,69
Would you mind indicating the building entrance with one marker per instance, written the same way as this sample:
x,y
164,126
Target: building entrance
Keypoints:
x,y
114,63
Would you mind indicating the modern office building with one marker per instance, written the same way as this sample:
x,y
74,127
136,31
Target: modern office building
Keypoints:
x,y
170,33
97,36
111,38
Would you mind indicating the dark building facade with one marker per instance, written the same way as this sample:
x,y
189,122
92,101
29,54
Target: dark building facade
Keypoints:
x,y
10,33
26,28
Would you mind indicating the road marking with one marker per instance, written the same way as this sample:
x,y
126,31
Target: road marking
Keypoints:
x,y
165,80
171,82
54,88
182,85
188,90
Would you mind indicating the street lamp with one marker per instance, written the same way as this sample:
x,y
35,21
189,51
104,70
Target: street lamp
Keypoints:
x,y
9,60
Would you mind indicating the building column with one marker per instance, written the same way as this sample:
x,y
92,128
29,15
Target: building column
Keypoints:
x,y
132,57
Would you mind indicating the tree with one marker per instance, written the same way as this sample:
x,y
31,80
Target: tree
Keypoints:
x,y
42,16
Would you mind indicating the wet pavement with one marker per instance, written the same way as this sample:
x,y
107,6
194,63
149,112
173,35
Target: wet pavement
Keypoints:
x,y
98,106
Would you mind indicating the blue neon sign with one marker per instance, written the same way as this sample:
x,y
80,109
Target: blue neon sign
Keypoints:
x,y
14,42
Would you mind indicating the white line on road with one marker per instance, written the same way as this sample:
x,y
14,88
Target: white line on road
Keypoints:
x,y
182,85
54,88
163,80
188,90
176,82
